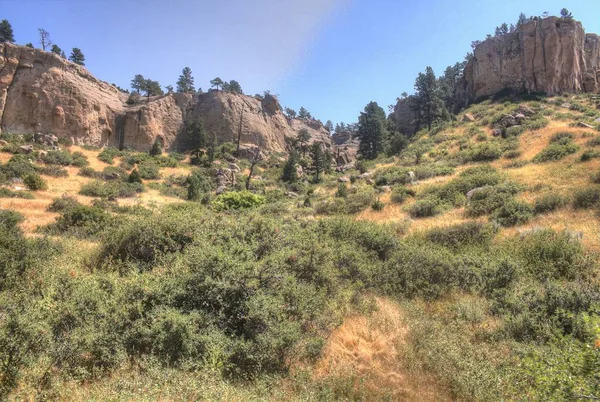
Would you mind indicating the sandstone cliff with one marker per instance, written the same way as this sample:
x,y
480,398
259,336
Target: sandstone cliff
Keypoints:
x,y
552,55
41,92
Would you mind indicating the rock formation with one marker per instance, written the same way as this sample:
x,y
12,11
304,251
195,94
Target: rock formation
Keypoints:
x,y
552,55
41,92
404,117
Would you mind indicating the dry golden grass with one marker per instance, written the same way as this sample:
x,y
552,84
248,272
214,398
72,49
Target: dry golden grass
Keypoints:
x,y
4,157
92,156
372,347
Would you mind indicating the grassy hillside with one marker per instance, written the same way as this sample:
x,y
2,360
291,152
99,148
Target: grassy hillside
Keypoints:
x,y
464,268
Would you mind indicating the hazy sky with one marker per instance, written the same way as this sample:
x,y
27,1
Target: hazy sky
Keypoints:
x,y
330,56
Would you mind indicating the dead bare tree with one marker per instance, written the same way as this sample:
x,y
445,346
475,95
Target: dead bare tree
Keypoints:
x,y
254,160
45,40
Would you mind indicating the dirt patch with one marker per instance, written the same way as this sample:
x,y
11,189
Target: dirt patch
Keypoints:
x,y
372,348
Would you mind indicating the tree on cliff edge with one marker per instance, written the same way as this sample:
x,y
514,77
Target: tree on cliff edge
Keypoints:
x,y
77,56
427,101
217,82
6,32
185,83
45,40
566,14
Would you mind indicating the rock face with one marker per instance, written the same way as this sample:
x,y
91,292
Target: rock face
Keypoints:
x,y
404,117
42,93
551,55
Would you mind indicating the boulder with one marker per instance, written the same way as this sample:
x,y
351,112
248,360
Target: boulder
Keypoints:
x,y
508,121
497,132
291,194
221,190
370,182
473,191
468,117
364,176
234,167
526,110
585,125
344,179
520,117
565,105
412,178
3,143
26,149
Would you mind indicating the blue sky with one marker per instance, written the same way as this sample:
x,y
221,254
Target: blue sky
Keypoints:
x,y
330,56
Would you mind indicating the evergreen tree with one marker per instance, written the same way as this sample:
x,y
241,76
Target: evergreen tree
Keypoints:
x,y
522,19
396,144
138,83
156,149
6,32
196,138
56,50
566,14
216,83
29,45
371,131
134,177
289,174
319,160
211,147
502,29
427,102
63,55
302,140
233,86
303,113
77,56
447,83
329,126
290,112
185,83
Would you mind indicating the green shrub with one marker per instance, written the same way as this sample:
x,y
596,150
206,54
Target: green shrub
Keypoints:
x,y
548,202
377,205
6,193
514,131
589,154
62,158
401,193
562,137
557,149
488,199
134,177
63,203
81,220
426,207
596,177
482,153
464,234
108,154
34,181
111,190
79,160
587,197
18,166
53,170
359,198
594,142
89,172
149,170
512,154
513,213
342,191
237,200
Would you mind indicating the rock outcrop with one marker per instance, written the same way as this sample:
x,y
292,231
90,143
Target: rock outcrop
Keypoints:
x,y
552,55
41,92
404,117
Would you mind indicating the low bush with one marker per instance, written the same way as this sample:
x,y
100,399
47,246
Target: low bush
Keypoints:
x,y
557,149
62,158
401,193
111,190
548,202
464,234
81,221
426,207
53,170
34,182
587,197
488,199
589,154
63,203
594,142
512,154
149,170
481,153
513,213
6,193
359,198
237,200
377,205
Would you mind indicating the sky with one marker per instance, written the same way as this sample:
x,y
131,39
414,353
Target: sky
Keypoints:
x,y
330,56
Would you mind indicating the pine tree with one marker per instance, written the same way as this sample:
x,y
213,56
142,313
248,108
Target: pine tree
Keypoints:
x,y
185,83
566,14
320,160
196,138
138,83
56,50
77,57
289,174
329,126
302,140
217,82
427,101
290,112
6,32
303,113
371,131
156,149
63,55
233,86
